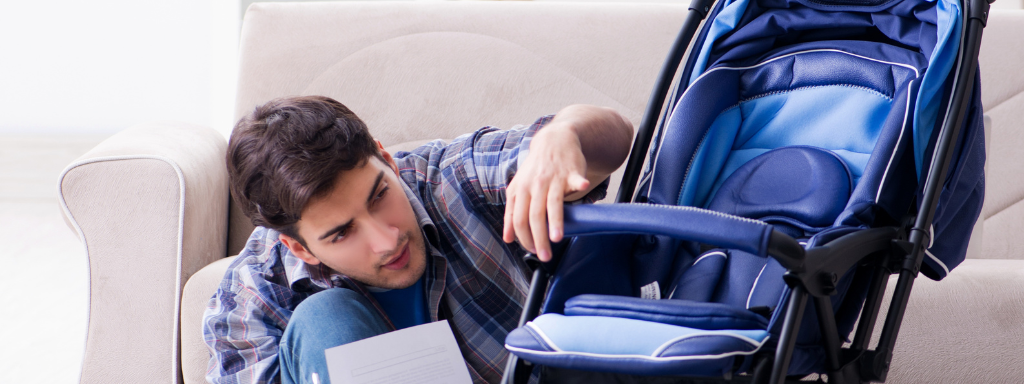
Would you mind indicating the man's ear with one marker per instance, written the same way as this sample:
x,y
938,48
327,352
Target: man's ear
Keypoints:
x,y
390,161
299,250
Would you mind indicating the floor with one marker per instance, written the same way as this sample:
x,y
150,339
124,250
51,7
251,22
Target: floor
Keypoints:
x,y
45,288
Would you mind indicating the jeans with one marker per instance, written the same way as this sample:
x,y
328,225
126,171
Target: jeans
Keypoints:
x,y
324,320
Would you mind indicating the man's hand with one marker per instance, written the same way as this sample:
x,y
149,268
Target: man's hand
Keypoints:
x,y
570,156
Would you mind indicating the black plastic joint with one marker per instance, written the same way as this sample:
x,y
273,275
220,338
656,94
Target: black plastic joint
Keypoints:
x,y
978,9
902,247
827,282
533,262
875,366
787,251
703,7
912,265
901,251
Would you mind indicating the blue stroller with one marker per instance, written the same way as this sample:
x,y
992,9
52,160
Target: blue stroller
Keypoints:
x,y
810,149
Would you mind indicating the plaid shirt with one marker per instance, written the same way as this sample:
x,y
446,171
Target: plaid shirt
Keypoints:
x,y
457,191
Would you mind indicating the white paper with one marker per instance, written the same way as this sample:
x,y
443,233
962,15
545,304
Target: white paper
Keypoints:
x,y
425,353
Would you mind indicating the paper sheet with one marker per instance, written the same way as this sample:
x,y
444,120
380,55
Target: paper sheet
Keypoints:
x,y
425,353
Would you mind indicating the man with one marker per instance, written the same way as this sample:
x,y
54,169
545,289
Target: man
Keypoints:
x,y
352,242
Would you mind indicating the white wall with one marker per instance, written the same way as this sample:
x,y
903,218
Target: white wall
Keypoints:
x,y
1008,4
96,67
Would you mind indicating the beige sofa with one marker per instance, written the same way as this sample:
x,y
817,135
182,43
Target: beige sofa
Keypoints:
x,y
151,203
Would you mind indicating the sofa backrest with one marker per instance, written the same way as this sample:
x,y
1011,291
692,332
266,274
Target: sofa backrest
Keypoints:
x,y
1001,223
420,71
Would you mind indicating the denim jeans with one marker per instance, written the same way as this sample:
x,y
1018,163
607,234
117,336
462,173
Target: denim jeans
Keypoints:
x,y
324,320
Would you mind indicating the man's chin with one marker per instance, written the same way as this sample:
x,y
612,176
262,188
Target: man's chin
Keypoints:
x,y
407,276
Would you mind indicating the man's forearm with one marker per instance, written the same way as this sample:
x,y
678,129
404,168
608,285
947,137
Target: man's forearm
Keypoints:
x,y
604,138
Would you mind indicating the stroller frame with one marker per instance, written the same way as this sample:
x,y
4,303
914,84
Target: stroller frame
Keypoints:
x,y
813,274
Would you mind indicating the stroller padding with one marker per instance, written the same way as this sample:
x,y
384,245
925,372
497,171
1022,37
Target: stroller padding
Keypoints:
x,y
797,185
784,101
632,346
684,313
697,282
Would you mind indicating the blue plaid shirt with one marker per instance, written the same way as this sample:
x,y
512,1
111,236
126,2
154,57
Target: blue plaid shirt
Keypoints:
x,y
457,191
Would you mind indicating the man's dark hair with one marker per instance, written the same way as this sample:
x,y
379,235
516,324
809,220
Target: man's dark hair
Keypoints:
x,y
289,151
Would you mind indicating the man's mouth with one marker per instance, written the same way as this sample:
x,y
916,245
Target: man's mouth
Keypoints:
x,y
400,261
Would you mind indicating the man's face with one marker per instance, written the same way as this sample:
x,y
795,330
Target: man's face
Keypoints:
x,y
364,228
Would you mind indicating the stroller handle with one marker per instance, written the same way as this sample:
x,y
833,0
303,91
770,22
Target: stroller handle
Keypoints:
x,y
686,223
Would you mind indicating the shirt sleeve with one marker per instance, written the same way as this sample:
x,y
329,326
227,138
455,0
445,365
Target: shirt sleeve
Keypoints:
x,y
243,324
497,156
244,349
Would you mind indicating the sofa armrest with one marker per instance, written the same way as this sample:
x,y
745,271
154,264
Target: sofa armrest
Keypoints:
x,y
195,356
151,206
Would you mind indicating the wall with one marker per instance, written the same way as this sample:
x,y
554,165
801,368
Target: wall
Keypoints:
x,y
77,67
96,67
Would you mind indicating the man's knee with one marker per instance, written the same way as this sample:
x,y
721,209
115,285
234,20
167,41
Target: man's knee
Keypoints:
x,y
336,315
325,320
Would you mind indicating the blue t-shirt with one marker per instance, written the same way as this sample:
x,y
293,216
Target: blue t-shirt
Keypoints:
x,y
406,307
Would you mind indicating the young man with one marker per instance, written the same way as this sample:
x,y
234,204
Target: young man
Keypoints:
x,y
352,242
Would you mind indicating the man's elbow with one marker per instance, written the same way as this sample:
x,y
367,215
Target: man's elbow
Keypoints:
x,y
623,137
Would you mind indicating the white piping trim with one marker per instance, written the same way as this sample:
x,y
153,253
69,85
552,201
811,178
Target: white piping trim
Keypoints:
x,y
749,296
798,53
937,261
181,232
688,89
949,104
669,343
899,139
702,257
642,181
673,104
707,255
949,108
773,93
757,346
654,166
931,235
641,357
544,336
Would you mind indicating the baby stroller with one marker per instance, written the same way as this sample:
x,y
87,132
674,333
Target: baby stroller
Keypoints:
x,y
810,149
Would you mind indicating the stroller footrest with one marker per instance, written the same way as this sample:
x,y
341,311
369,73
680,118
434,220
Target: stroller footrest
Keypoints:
x,y
684,313
631,346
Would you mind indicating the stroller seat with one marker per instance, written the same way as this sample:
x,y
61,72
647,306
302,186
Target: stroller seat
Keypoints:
x,y
707,320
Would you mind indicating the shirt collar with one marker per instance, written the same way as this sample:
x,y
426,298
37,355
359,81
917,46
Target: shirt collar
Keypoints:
x,y
305,277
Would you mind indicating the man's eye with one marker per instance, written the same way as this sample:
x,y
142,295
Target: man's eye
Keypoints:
x,y
339,236
382,193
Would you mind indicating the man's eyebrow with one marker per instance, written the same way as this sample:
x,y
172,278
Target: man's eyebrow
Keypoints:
x,y
342,227
336,230
376,183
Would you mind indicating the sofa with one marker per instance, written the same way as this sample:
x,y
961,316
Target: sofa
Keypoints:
x,y
151,203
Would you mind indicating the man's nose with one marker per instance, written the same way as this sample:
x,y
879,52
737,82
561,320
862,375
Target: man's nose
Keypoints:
x,y
383,237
